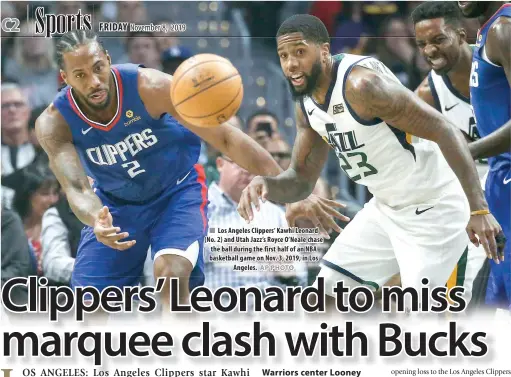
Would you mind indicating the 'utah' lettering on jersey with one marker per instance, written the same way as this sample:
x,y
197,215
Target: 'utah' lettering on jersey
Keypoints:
x,y
456,107
490,92
134,157
373,153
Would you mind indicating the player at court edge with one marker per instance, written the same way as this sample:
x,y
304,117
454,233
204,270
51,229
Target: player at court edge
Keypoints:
x,y
426,196
490,95
117,124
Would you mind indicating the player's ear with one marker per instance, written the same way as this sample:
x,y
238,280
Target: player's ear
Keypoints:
x,y
325,51
108,58
63,76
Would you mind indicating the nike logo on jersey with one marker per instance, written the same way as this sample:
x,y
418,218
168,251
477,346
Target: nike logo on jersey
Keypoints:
x,y
452,107
310,112
85,131
506,181
417,212
181,180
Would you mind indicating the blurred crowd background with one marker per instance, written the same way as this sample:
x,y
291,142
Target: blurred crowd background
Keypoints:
x,y
244,32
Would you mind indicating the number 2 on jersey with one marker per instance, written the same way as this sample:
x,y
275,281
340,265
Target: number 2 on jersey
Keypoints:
x,y
132,171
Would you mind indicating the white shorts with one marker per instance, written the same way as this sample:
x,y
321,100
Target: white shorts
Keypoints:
x,y
419,241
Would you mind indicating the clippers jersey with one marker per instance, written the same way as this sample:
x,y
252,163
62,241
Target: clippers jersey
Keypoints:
x,y
455,107
134,157
373,153
489,91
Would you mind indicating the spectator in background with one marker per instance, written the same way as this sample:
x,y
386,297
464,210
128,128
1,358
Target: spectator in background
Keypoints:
x,y
31,201
349,36
17,151
172,57
33,65
222,212
120,11
17,259
60,236
7,11
263,126
280,151
399,53
142,48
166,40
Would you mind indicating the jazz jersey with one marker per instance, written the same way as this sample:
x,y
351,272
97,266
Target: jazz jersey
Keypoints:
x,y
374,153
134,157
457,108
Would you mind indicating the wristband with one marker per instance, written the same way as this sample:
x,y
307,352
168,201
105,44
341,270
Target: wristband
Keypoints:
x,y
480,212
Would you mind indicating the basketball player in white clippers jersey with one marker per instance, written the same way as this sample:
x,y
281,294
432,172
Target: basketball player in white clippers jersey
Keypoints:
x,y
441,40
416,222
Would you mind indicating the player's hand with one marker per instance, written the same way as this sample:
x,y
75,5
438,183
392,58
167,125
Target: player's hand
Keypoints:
x,y
320,211
489,234
109,235
250,195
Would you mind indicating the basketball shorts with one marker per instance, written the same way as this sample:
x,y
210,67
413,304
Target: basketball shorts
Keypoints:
x,y
419,241
175,222
466,271
498,195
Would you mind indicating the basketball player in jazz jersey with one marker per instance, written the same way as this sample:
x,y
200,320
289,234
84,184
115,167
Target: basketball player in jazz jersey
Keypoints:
x,y
490,95
441,40
117,125
416,222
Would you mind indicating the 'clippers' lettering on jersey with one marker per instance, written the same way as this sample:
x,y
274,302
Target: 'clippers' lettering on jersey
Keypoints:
x,y
108,154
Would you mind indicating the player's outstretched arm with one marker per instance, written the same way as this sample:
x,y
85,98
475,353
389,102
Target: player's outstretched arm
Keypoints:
x,y
373,96
56,139
154,88
498,50
308,158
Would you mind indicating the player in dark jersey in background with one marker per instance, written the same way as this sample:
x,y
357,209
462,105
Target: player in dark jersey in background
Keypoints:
x,y
490,95
442,41
117,125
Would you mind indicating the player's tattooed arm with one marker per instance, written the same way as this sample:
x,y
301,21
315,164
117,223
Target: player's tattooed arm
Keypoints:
x,y
154,88
55,138
372,96
309,155
498,50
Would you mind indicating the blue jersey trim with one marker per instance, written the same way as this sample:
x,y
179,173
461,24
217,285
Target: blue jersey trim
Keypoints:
x,y
453,90
434,93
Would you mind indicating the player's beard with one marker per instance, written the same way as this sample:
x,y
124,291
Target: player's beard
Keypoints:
x,y
101,106
311,80
478,9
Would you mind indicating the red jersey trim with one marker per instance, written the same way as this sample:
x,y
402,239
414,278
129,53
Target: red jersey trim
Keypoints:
x,y
113,122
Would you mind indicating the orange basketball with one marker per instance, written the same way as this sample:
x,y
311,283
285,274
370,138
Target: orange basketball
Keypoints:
x,y
206,90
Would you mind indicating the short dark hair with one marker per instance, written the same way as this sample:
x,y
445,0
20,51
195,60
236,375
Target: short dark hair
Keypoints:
x,y
448,10
143,34
73,39
259,113
312,28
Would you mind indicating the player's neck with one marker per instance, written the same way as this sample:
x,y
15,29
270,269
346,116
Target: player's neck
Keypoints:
x,y
459,75
324,81
492,9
